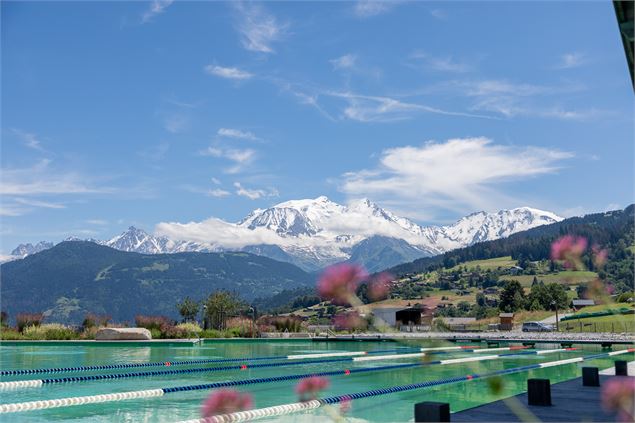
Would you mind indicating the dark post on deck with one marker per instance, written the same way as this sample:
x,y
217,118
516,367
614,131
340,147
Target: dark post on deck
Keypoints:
x,y
590,376
429,411
621,368
539,391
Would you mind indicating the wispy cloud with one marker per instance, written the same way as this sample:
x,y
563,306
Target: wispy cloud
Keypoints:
x,y
254,194
571,60
97,222
346,61
29,139
156,8
369,8
218,193
439,14
458,175
259,29
440,64
156,152
228,72
176,123
366,108
39,204
41,178
241,158
237,133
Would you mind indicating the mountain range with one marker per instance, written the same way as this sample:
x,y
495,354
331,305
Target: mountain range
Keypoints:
x,y
315,233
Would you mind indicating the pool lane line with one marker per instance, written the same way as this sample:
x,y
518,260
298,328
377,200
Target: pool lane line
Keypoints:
x,y
36,383
64,402
280,410
214,361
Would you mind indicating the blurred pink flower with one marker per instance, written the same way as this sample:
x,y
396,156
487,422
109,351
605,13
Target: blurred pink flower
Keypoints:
x,y
225,401
379,287
618,395
308,388
569,249
345,406
349,321
339,282
599,256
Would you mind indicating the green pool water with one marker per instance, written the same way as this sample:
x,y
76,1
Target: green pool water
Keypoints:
x,y
186,405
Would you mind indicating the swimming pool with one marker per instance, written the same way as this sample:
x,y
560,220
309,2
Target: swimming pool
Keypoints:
x,y
186,405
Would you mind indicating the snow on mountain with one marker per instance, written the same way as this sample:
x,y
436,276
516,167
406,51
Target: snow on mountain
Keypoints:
x,y
24,250
313,233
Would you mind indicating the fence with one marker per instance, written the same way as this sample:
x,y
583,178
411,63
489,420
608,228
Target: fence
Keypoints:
x,y
624,325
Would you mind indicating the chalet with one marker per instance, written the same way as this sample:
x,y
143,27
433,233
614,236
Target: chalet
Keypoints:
x,y
400,316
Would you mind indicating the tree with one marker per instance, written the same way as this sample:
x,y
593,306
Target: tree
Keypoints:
x,y
220,305
557,296
188,309
512,297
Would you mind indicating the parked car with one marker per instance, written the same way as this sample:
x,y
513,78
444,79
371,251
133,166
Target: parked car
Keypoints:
x,y
537,327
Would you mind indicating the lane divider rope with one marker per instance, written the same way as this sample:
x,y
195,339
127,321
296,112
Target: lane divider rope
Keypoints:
x,y
283,409
37,383
37,405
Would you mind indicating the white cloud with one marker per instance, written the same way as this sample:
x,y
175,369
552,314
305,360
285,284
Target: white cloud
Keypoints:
x,y
217,192
228,72
571,60
439,14
218,232
365,108
216,181
458,175
156,8
368,8
98,222
42,179
259,29
39,204
344,62
240,157
156,152
28,139
440,64
254,194
237,133
176,123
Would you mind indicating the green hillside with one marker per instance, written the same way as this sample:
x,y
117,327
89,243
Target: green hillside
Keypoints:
x,y
78,277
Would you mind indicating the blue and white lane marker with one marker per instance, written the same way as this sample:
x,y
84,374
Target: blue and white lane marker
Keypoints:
x,y
279,410
200,361
64,402
36,383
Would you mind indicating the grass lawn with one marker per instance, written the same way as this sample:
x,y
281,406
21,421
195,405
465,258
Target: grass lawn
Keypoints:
x,y
521,317
502,262
614,323
602,307
567,277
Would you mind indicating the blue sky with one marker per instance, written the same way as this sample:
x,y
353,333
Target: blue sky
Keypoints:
x,y
136,113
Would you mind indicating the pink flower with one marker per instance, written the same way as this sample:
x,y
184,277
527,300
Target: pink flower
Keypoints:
x,y
345,405
224,401
349,321
339,282
308,388
599,256
569,248
379,288
617,395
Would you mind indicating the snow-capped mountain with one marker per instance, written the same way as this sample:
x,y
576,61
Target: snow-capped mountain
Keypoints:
x,y
24,250
317,232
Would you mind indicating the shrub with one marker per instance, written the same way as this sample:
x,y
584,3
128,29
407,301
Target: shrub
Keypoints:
x,y
156,333
28,319
7,334
152,322
4,319
212,333
241,327
95,320
190,329
50,331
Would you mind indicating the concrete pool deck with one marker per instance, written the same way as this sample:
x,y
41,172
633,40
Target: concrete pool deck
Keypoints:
x,y
572,402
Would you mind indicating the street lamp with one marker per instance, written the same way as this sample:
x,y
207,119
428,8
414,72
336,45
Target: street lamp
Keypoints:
x,y
253,315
